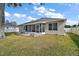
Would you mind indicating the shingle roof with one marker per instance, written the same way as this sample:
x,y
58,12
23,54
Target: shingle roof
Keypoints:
x,y
45,19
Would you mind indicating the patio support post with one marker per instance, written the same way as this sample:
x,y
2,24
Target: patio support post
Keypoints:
x,y
31,28
35,27
39,27
27,28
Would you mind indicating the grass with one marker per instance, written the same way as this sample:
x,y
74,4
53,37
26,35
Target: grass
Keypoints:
x,y
47,45
75,38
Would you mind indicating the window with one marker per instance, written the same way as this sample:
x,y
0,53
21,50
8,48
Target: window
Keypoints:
x,y
50,26
40,28
55,26
37,28
33,28
43,27
29,28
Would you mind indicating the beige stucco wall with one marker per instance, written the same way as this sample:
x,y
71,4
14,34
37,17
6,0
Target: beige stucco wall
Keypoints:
x,y
60,30
21,28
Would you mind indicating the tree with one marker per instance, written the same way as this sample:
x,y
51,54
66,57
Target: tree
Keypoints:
x,y
2,20
74,25
67,26
78,23
20,4
2,17
14,4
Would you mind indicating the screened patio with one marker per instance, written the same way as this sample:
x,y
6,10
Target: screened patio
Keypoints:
x,y
37,28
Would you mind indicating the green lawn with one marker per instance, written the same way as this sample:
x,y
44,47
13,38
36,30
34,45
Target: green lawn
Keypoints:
x,y
42,45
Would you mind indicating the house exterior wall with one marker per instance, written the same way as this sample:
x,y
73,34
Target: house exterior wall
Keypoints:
x,y
21,28
60,25
11,29
60,30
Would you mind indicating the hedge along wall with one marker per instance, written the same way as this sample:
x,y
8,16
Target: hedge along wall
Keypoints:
x,y
75,30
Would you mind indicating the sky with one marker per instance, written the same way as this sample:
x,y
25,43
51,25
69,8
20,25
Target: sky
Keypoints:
x,y
27,12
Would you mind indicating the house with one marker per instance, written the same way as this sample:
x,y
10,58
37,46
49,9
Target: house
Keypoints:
x,y
44,26
11,26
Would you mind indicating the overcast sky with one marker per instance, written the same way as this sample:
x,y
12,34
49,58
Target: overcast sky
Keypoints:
x,y
27,12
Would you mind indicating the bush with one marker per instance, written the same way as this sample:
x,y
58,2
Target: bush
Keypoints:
x,y
10,33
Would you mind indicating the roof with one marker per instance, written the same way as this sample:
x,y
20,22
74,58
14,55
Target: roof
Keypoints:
x,y
10,24
44,20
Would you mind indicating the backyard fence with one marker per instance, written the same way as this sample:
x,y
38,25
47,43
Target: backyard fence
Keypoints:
x,y
73,30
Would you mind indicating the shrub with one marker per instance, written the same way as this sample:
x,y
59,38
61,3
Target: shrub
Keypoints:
x,y
10,33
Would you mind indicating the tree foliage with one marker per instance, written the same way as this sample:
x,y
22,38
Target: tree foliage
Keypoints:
x,y
74,25
20,4
14,4
67,26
